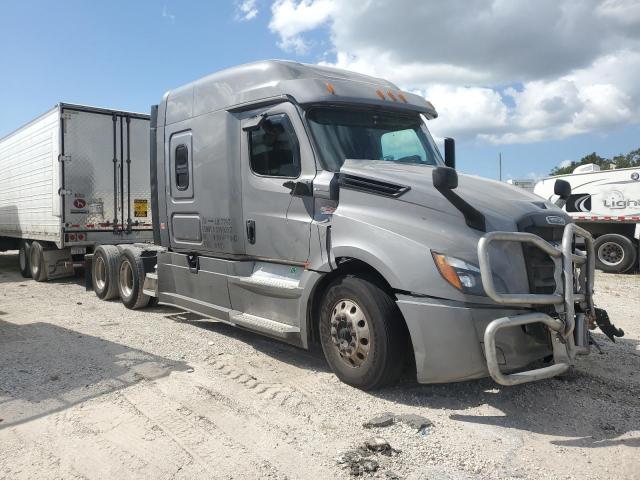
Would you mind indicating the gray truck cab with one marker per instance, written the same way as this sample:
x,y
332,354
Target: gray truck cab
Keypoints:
x,y
309,203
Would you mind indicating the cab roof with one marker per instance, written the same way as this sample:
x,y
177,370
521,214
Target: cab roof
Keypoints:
x,y
242,87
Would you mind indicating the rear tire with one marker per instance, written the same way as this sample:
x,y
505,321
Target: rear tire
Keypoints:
x,y
23,259
104,271
36,262
131,279
614,253
362,332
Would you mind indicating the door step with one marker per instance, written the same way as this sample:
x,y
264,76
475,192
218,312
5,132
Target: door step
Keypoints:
x,y
263,325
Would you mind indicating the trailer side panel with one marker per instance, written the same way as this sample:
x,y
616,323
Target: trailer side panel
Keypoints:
x,y
30,179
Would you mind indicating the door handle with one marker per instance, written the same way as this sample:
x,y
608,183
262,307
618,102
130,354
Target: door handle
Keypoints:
x,y
251,231
194,263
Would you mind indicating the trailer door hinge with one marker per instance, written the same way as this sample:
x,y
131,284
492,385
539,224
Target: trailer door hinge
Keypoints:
x,y
64,158
63,191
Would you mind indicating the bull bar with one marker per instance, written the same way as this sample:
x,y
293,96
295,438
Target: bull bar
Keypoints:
x,y
573,274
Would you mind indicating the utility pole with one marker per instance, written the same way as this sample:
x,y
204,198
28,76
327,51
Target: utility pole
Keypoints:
x,y
500,166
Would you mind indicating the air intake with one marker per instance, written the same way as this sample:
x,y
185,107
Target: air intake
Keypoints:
x,y
375,187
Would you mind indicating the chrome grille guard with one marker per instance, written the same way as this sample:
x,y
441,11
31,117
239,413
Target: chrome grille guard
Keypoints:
x,y
574,275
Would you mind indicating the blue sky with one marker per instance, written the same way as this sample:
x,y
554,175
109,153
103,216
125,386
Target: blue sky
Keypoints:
x,y
126,54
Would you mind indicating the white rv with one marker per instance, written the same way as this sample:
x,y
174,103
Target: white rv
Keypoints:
x,y
607,204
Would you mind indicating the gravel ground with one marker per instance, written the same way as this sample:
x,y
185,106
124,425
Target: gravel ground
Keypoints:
x,y
89,389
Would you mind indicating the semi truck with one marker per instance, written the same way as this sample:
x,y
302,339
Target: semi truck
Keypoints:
x,y
71,180
606,203
311,204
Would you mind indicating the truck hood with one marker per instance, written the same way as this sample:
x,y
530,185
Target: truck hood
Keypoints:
x,y
501,203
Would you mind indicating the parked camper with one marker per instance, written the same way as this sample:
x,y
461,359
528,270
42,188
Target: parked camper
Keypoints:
x,y
606,203
309,203
73,179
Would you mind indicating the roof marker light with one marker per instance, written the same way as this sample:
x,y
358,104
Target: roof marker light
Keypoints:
x,y
330,89
380,94
391,95
402,97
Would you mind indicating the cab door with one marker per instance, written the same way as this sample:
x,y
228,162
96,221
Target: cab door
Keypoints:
x,y
276,160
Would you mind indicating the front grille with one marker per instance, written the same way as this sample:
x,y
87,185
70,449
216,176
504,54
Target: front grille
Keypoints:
x,y
540,266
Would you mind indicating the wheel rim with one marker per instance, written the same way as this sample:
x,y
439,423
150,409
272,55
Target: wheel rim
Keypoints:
x,y
100,272
610,253
350,333
126,278
22,255
34,260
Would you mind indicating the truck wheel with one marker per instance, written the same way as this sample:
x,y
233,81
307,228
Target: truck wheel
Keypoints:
x,y
614,253
104,271
36,262
131,279
23,258
362,333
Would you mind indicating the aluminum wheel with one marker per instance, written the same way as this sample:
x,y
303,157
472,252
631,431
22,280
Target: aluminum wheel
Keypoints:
x,y
350,332
126,278
100,270
611,253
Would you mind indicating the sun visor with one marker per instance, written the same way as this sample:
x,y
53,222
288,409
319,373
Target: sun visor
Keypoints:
x,y
313,90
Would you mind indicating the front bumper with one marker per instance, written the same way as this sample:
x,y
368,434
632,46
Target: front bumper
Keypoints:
x,y
447,339
453,341
572,302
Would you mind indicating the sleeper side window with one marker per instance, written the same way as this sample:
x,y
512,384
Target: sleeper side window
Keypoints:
x,y
182,167
274,149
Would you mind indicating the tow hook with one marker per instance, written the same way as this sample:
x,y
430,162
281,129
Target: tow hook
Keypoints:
x,y
603,322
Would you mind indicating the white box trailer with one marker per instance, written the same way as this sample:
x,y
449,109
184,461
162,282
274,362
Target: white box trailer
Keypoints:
x,y
74,178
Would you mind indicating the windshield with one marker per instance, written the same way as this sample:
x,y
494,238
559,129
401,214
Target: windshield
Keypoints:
x,y
371,135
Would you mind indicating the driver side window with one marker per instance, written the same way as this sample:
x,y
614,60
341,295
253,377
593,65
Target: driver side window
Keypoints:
x,y
273,148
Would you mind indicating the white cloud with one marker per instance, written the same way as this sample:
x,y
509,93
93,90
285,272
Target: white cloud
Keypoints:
x,y
565,163
291,18
246,10
165,14
502,71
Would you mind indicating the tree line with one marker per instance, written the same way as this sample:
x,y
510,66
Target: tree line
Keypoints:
x,y
631,159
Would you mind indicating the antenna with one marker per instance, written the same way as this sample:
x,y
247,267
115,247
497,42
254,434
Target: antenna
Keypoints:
x,y
500,166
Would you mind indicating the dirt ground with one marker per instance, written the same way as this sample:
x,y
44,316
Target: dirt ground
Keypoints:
x,y
89,389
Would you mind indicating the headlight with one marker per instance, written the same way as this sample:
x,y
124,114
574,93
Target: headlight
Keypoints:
x,y
462,275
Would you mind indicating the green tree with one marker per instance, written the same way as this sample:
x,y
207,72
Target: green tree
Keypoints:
x,y
631,159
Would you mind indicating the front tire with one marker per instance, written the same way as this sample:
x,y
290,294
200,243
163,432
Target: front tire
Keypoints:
x,y
614,253
362,332
131,279
23,259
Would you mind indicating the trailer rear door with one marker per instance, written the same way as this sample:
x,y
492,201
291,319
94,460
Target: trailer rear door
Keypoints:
x,y
105,171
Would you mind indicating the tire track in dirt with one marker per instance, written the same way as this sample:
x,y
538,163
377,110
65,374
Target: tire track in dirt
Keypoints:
x,y
255,422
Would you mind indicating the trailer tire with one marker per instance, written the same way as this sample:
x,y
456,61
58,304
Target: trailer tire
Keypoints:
x,y
104,271
614,253
36,262
131,279
23,259
362,333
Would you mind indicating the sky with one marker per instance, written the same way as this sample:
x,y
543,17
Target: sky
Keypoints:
x,y
541,83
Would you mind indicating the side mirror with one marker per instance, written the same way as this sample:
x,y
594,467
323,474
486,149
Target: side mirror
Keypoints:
x,y
450,152
562,188
254,123
299,189
445,178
